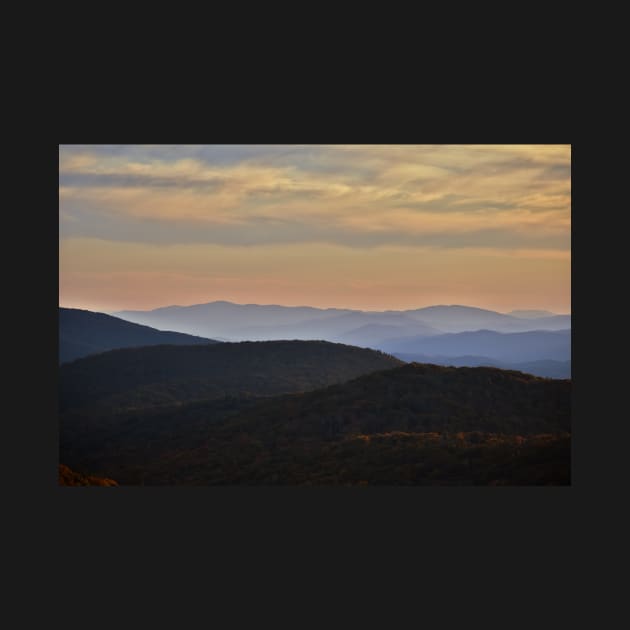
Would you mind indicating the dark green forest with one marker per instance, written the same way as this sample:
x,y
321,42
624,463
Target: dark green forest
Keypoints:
x,y
299,412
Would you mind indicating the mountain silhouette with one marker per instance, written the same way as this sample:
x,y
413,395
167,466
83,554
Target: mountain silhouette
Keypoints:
x,y
82,333
226,319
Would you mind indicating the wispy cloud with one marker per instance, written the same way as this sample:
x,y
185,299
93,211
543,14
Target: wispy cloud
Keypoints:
x,y
401,193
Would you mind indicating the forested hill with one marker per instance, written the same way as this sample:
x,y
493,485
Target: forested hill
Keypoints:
x,y
159,375
418,398
415,424
82,333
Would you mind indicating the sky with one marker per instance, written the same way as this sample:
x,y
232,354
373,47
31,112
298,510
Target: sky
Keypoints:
x,y
370,227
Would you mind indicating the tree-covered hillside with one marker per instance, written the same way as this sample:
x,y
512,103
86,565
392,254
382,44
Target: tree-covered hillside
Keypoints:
x,y
415,424
159,375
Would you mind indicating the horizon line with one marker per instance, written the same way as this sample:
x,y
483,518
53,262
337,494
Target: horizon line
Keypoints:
x,y
319,308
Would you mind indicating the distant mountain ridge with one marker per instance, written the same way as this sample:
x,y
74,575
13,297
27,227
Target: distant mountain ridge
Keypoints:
x,y
82,333
239,322
343,328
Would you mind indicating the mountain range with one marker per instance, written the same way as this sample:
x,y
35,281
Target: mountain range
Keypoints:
x,y
540,352
255,322
536,341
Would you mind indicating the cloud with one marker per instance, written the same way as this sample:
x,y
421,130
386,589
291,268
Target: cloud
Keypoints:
x,y
354,195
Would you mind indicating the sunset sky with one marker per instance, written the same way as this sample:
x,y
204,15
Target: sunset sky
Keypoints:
x,y
371,227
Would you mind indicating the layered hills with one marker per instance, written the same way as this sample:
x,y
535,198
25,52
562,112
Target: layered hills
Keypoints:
x,y
536,341
237,322
299,395
325,414
158,375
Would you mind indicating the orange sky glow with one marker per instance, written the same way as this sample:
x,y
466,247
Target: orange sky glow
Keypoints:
x,y
372,227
